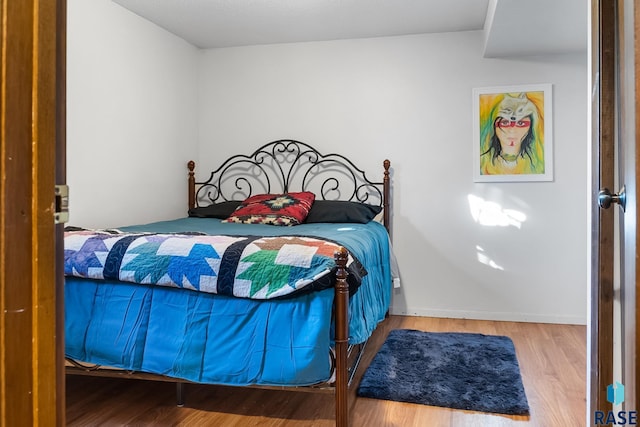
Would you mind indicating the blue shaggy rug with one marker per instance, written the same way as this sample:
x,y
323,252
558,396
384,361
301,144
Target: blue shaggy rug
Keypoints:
x,y
454,370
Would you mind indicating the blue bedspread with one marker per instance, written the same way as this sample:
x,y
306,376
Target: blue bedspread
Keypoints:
x,y
219,339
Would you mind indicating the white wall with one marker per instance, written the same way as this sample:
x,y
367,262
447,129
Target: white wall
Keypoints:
x,y
409,99
132,112
141,102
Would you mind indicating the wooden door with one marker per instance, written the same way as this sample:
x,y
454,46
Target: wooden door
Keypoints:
x,y
31,127
614,218
603,124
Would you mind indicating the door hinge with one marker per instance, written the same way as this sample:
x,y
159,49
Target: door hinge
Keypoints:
x,y
61,214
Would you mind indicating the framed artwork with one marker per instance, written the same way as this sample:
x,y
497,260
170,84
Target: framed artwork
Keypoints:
x,y
512,133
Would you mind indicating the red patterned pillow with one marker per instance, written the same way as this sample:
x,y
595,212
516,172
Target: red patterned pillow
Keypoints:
x,y
274,209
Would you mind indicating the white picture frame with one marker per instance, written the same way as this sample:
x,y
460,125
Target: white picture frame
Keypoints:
x,y
513,133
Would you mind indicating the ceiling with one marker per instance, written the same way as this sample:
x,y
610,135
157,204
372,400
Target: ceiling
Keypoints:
x,y
512,27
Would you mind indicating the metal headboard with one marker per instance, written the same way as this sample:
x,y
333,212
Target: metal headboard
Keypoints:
x,y
288,166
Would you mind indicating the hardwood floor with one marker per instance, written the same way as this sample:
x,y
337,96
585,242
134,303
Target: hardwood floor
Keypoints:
x,y
552,360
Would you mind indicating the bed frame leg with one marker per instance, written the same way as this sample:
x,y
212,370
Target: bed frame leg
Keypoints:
x,y
180,394
341,338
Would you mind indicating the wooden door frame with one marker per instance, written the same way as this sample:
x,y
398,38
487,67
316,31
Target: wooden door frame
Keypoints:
x,y
32,123
603,68
628,176
60,179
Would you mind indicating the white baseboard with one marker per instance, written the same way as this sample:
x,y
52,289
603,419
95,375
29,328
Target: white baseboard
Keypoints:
x,y
498,316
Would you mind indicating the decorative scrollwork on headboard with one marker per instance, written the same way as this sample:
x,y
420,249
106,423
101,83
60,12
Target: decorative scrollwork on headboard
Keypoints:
x,y
288,166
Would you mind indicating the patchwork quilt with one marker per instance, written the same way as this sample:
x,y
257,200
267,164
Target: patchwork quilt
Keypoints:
x,y
253,267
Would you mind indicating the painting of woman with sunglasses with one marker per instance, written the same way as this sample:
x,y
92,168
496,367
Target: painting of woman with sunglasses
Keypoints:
x,y
512,134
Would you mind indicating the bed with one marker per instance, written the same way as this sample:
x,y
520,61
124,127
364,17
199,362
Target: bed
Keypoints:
x,y
276,278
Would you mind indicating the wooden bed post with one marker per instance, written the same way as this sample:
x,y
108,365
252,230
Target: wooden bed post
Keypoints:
x,y
386,188
192,184
341,337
